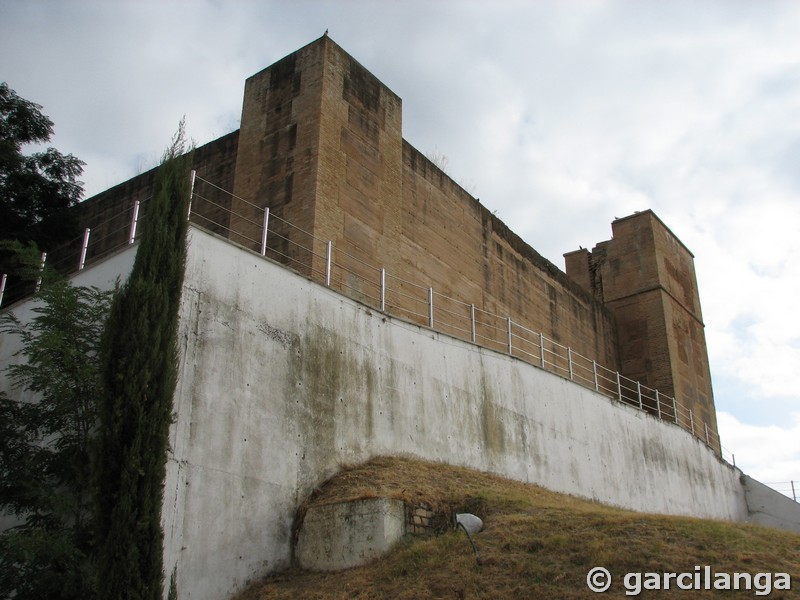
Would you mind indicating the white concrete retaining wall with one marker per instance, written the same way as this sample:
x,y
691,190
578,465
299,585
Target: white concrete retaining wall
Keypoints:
x,y
283,380
770,508
102,275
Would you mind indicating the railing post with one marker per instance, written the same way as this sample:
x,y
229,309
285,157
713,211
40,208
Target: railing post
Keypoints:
x,y
658,405
383,290
510,347
691,420
569,362
708,441
134,222
733,458
3,287
191,193
619,387
639,394
264,230
41,270
84,249
472,321
328,253
594,373
430,307
675,409
541,348
794,493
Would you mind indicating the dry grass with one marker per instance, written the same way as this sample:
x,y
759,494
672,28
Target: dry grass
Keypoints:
x,y
535,544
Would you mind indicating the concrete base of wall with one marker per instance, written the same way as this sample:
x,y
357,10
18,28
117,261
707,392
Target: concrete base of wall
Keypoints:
x,y
282,381
348,534
770,508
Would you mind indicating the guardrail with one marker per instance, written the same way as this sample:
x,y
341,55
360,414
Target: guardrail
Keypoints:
x,y
111,231
265,233
269,235
790,489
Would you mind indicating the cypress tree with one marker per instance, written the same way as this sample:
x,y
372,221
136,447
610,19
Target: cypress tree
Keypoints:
x,y
139,362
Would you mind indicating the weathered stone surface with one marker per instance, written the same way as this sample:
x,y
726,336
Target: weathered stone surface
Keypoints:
x,y
646,277
348,534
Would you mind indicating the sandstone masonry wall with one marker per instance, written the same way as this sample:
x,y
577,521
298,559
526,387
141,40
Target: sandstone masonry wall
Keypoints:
x,y
646,277
321,146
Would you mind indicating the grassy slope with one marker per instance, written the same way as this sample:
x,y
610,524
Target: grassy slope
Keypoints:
x,y
535,544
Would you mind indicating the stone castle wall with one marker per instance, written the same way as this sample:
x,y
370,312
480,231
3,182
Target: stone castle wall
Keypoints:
x,y
321,145
329,135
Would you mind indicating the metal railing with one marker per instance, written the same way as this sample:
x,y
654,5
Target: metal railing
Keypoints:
x,y
790,489
111,231
265,233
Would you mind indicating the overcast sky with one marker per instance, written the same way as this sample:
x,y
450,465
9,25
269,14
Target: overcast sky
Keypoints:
x,y
559,116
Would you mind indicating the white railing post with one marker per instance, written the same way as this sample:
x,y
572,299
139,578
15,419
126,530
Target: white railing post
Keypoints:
x,y
594,373
191,193
430,307
619,387
510,347
639,394
675,409
84,249
264,230
691,420
658,405
472,321
708,441
541,348
134,222
328,253
41,270
569,362
3,287
383,290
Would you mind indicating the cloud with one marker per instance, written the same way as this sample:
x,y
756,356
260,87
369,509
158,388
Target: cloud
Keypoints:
x,y
770,454
560,116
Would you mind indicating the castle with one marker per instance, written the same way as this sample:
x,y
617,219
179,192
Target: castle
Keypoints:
x,y
410,320
321,146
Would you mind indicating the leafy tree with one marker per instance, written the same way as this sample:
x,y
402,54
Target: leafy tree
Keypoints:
x,y
139,374
46,439
35,190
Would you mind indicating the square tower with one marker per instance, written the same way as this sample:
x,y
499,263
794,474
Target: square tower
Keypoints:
x,y
645,276
321,145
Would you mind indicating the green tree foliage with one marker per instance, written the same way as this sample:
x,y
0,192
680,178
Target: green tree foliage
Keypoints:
x,y
46,453
139,373
36,189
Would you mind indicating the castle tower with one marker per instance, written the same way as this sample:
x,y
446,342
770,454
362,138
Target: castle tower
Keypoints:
x,y
320,144
646,277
